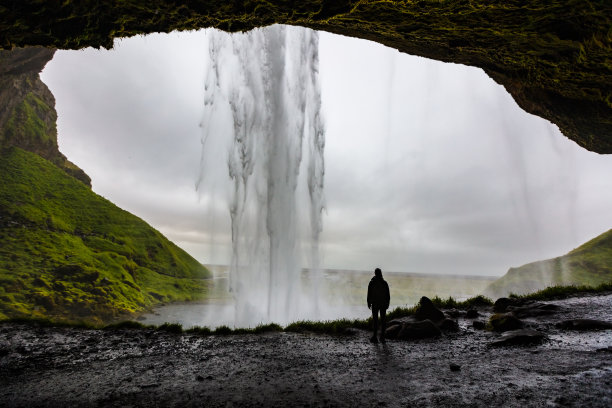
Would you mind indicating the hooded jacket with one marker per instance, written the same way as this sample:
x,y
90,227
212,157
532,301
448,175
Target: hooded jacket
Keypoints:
x,y
378,293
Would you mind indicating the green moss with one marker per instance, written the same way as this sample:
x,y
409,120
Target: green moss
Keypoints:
x,y
98,262
25,121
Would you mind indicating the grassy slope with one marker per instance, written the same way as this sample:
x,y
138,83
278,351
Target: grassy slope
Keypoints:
x,y
590,264
68,253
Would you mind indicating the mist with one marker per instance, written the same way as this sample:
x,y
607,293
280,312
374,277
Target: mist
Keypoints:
x,y
430,167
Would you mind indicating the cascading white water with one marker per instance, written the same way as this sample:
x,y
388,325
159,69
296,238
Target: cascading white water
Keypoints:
x,y
262,97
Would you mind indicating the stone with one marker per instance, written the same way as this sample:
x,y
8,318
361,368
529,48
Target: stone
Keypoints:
x,y
455,367
479,324
449,325
472,314
521,337
428,311
502,322
584,324
501,304
393,330
419,330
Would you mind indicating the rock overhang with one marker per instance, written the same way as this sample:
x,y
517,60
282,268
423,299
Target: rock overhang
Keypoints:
x,y
555,59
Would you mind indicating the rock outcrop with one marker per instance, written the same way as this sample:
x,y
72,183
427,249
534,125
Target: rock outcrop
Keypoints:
x,y
553,59
27,108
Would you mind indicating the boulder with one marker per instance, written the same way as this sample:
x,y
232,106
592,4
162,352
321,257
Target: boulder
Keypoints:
x,y
501,304
472,314
449,325
479,324
393,330
502,322
418,330
522,337
428,311
584,324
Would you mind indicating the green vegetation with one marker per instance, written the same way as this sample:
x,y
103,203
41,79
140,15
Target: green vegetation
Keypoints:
x,y
69,254
553,56
331,327
588,265
563,292
335,327
25,122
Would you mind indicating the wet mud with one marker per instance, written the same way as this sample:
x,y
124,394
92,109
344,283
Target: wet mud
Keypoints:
x,y
122,368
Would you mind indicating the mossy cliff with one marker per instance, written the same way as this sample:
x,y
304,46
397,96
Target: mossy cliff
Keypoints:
x,y
65,252
27,108
590,265
553,56
70,254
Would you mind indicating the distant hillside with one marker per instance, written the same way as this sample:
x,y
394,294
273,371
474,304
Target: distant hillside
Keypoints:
x,y
590,264
68,253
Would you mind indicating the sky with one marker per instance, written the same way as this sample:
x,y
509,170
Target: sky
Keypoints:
x,y
430,167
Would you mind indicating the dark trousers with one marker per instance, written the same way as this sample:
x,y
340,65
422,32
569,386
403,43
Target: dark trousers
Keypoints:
x,y
383,319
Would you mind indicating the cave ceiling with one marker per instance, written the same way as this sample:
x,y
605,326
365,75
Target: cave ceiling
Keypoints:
x,y
554,57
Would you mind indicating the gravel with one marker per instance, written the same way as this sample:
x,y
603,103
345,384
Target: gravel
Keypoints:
x,y
41,366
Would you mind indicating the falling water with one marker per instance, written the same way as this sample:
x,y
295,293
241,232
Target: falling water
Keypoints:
x,y
262,97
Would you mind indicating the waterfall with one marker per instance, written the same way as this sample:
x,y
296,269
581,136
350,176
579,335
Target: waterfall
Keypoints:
x,y
262,114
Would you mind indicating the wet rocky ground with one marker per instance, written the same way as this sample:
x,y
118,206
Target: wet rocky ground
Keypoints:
x,y
75,367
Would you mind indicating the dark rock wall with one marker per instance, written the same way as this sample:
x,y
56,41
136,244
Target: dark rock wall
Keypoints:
x,y
552,56
27,107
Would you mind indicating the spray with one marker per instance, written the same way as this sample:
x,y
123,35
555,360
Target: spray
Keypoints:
x,y
262,96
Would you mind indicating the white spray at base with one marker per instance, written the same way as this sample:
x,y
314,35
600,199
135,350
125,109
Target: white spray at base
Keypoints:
x,y
263,116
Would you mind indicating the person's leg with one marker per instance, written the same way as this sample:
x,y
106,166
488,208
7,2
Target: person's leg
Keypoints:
x,y
375,322
383,323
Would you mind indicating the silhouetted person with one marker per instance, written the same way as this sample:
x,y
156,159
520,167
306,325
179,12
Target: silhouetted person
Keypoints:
x,y
378,301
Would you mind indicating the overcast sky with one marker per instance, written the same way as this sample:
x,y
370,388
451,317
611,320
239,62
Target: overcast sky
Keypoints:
x,y
430,167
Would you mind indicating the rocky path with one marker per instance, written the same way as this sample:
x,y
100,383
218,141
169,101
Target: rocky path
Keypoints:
x,y
72,367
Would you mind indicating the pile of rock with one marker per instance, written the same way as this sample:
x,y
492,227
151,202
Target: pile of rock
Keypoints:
x,y
427,322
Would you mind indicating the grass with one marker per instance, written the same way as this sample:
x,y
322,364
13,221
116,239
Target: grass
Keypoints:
x,y
68,253
563,292
330,327
588,265
553,56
